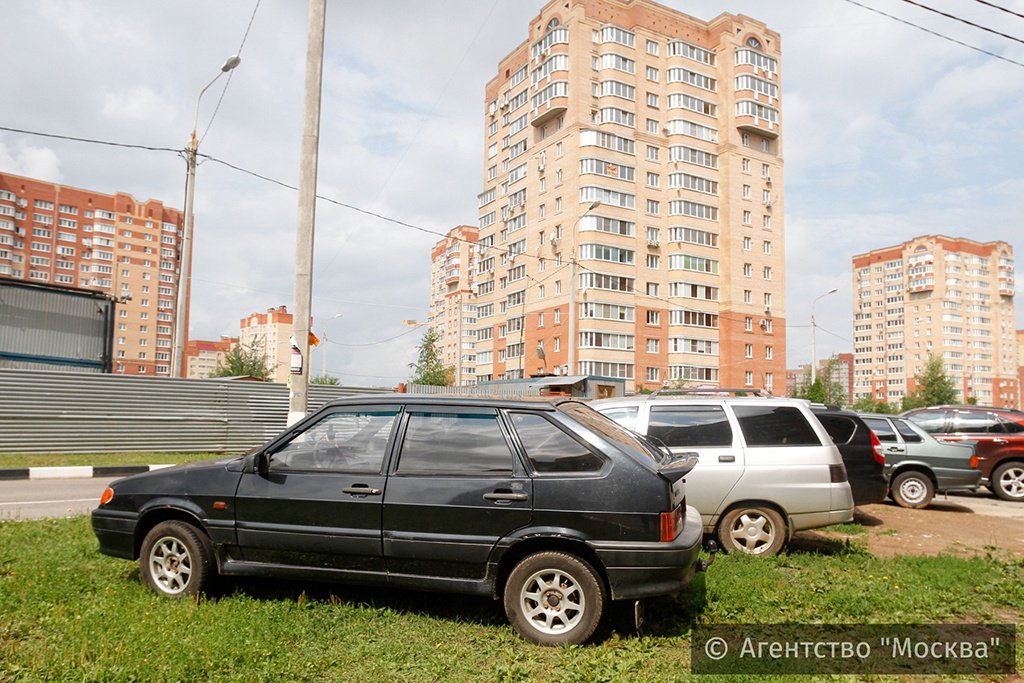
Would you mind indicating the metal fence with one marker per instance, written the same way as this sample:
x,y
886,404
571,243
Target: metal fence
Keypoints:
x,y
58,412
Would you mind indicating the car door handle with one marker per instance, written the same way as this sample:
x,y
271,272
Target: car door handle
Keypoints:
x,y
727,458
361,490
999,441
504,496
894,449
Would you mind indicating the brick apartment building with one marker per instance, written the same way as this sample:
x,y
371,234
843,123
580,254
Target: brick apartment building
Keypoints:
x,y
951,297
631,218
452,304
271,334
111,243
201,357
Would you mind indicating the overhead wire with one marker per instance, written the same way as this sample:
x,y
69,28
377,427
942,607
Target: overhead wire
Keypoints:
x,y
936,33
1000,8
963,21
230,73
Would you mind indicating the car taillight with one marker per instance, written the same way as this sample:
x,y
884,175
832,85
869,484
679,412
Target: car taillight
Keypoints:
x,y
108,495
974,461
876,449
837,473
671,524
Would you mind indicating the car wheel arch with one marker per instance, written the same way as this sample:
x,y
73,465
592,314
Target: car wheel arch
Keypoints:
x,y
756,502
155,515
914,467
537,543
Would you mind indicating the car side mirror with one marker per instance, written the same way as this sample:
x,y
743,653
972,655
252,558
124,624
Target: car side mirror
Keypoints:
x,y
262,462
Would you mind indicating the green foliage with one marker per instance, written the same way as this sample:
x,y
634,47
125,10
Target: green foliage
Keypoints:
x,y
869,405
101,459
243,361
325,379
934,387
825,388
815,392
429,369
68,613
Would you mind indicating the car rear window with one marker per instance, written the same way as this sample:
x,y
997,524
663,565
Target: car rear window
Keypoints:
x,y
840,427
907,430
549,449
611,430
769,425
882,429
690,426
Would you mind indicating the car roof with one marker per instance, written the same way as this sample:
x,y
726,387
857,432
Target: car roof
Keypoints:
x,y
690,398
531,402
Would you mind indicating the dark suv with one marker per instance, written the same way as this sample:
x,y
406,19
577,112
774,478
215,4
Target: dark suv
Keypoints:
x,y
549,506
998,434
861,451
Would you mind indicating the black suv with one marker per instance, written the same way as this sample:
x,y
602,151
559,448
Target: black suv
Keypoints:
x,y
549,506
861,451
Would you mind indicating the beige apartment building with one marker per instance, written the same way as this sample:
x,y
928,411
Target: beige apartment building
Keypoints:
x,y
271,334
631,219
951,297
111,243
201,357
452,304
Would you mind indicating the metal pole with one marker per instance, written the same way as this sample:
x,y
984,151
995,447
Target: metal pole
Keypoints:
x,y
572,288
297,398
814,348
185,265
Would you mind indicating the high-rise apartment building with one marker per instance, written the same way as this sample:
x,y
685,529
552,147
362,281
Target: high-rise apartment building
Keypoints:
x,y
452,304
631,217
110,243
269,334
840,367
936,295
201,357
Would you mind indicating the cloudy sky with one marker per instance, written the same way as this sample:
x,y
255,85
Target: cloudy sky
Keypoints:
x,y
890,133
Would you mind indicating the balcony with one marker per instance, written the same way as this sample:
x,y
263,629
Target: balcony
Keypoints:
x,y
759,126
920,285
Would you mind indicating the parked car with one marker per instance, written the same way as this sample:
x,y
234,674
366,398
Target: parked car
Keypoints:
x,y
548,506
918,465
767,466
861,451
998,434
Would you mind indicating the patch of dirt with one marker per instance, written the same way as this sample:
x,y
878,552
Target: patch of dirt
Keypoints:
x,y
952,529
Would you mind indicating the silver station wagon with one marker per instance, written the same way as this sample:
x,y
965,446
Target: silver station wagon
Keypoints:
x,y
767,467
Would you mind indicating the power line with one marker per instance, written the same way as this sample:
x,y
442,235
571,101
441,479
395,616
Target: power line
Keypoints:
x,y
935,33
963,21
230,73
91,141
376,343
1001,9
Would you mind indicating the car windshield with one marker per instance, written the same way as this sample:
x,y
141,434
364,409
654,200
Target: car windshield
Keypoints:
x,y
611,430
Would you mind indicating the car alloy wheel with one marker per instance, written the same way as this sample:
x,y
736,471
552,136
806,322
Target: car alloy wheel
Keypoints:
x,y
1009,481
176,559
752,530
553,598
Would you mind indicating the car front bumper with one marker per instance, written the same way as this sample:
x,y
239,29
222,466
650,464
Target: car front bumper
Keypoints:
x,y
115,530
643,570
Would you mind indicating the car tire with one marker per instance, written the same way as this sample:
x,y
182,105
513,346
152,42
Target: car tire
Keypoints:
x,y
752,529
912,489
1008,481
553,598
176,559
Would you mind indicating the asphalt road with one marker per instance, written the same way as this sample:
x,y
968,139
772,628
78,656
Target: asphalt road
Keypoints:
x,y
39,498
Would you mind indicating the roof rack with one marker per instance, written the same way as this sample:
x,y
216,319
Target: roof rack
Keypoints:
x,y
711,391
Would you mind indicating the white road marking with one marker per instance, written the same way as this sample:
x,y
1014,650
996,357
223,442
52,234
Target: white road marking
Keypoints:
x,y
48,502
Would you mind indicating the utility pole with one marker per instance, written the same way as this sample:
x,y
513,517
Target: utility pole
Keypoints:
x,y
297,397
814,329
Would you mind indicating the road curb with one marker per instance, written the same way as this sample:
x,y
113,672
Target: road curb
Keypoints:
x,y
75,472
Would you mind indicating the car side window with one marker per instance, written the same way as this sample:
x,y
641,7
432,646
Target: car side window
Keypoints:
x,y
775,426
1011,426
932,421
907,432
454,443
839,427
690,426
625,416
549,449
883,430
976,423
343,441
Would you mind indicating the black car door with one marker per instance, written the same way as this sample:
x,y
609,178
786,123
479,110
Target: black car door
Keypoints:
x,y
318,504
455,491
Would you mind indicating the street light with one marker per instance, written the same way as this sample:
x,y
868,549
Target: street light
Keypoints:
x,y
814,328
186,238
572,288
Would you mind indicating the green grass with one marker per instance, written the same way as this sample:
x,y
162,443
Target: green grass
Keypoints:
x,y
96,459
848,529
68,613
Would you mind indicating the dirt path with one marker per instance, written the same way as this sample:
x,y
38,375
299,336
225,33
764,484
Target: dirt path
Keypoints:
x,y
943,527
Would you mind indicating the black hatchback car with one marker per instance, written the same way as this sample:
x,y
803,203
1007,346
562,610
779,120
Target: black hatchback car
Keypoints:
x,y
861,451
548,506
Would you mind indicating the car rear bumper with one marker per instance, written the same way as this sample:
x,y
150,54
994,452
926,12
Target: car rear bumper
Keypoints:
x,y
115,530
643,570
956,479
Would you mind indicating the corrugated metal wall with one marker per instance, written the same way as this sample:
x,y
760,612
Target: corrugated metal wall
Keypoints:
x,y
56,412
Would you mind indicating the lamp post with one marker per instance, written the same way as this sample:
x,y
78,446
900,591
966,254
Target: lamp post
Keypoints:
x,y
184,273
572,288
814,329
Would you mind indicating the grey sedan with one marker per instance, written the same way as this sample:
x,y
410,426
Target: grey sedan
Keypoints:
x,y
918,465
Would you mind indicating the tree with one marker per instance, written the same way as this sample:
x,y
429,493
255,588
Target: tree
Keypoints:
x,y
325,379
868,404
825,389
243,361
428,368
814,392
934,387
